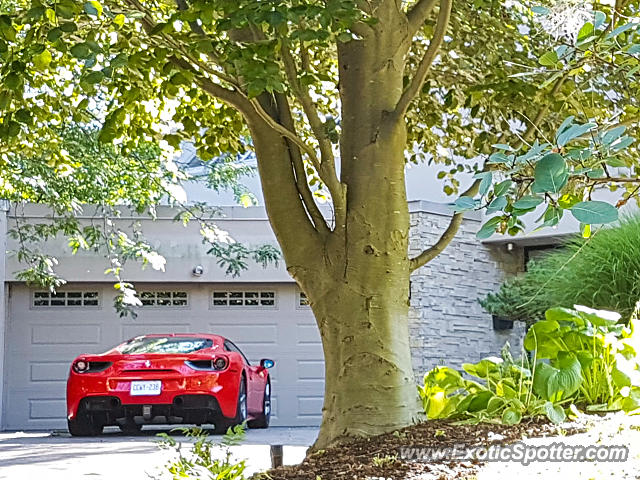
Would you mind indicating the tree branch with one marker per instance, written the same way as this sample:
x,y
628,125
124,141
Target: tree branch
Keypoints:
x,y
326,168
297,164
429,56
419,13
302,95
446,237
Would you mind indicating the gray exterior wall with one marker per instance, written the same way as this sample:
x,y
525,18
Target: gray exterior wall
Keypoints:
x,y
447,324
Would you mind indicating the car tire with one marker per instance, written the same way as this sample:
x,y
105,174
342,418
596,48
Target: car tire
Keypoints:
x,y
83,425
129,427
262,420
223,424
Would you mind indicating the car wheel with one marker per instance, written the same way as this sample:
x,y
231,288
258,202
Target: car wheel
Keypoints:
x,y
130,427
83,425
262,420
223,424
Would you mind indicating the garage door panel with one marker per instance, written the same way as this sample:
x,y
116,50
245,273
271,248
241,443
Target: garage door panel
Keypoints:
x,y
42,342
52,334
47,408
311,370
49,371
264,334
133,330
308,335
310,406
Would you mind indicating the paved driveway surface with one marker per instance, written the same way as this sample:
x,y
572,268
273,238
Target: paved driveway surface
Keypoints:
x,y
114,456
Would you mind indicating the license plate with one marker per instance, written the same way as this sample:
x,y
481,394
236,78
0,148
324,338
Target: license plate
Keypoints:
x,y
146,388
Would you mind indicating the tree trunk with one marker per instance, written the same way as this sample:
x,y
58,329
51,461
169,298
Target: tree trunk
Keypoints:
x,y
356,276
369,382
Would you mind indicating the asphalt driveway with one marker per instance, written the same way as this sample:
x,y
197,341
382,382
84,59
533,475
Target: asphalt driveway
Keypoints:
x,y
115,456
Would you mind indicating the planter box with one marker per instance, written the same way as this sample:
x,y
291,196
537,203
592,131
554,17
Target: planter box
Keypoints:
x,y
502,323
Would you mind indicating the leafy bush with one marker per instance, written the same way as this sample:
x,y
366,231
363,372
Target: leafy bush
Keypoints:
x,y
200,460
502,393
580,356
590,355
602,271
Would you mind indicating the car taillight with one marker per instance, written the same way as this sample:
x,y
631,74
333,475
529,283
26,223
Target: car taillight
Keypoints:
x,y
220,363
80,366
83,366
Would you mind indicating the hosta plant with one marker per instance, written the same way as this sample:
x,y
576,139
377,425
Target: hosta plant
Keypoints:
x,y
577,356
501,391
591,356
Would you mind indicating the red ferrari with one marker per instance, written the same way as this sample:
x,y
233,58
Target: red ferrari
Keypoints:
x,y
166,379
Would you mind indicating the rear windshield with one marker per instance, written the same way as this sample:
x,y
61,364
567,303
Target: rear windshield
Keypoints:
x,y
165,345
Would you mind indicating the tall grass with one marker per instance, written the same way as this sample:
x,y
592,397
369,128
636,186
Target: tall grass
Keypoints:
x,y
601,272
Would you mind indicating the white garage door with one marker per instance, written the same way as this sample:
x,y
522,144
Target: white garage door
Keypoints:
x,y
46,332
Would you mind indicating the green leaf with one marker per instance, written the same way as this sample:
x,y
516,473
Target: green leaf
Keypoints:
x,y
498,157
12,81
489,228
485,182
559,381
464,203
572,132
93,8
528,201
511,416
622,143
586,31
540,10
550,173
81,51
23,116
549,59
561,314
94,77
502,188
496,205
502,146
594,212
50,14
119,19
612,135
621,29
42,60
54,34
555,413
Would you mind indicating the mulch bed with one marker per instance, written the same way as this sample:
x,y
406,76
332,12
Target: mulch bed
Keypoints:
x,y
379,457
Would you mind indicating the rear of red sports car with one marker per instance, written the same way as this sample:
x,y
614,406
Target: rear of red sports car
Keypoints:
x,y
177,378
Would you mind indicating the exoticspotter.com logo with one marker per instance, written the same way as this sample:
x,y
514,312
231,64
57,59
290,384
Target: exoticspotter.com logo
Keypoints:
x,y
517,452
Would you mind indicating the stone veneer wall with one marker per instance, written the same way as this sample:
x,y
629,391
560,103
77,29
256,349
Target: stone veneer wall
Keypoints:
x,y
447,324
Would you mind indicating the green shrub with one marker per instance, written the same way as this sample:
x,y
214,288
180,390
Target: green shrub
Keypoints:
x,y
200,460
592,358
580,356
501,392
602,271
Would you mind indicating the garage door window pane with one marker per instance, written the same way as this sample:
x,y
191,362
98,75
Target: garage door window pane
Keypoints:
x,y
65,299
267,299
236,299
220,299
303,301
251,298
164,299
244,299
180,299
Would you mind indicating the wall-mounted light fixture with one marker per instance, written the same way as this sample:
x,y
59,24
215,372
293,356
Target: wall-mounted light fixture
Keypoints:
x,y
197,271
